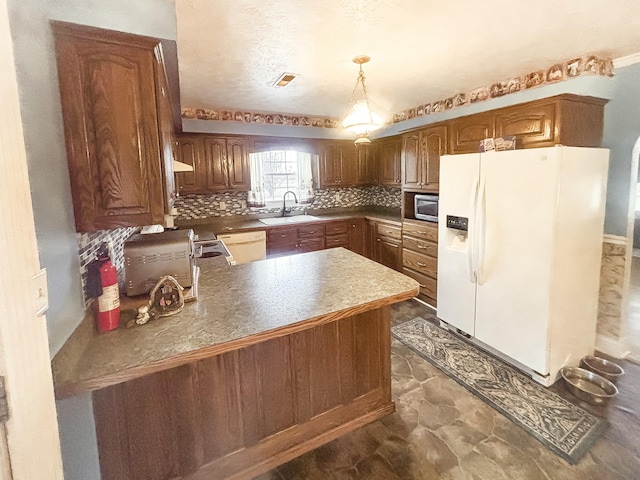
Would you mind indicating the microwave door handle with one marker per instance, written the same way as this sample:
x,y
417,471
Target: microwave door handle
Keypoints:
x,y
471,243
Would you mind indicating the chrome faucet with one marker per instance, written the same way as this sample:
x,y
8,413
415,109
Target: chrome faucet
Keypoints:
x,y
286,210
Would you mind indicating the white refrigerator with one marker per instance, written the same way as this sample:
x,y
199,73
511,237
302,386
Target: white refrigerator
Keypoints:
x,y
519,252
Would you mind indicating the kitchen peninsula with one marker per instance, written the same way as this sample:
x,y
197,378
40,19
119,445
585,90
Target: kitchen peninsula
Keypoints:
x,y
275,358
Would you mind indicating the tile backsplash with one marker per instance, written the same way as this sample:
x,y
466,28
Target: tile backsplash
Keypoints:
x,y
205,206
192,207
88,244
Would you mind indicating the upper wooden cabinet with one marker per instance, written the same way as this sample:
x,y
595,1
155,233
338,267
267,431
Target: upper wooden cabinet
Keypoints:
x,y
421,152
561,120
467,132
389,162
365,171
337,164
118,126
226,164
219,164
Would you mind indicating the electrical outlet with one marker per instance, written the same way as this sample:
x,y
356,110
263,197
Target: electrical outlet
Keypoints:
x,y
243,204
337,197
223,205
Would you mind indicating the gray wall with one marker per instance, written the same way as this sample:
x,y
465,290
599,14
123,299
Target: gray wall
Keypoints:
x,y
621,131
47,163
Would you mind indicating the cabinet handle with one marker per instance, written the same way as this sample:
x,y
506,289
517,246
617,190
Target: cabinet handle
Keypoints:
x,y
283,235
377,239
421,247
420,264
422,285
312,231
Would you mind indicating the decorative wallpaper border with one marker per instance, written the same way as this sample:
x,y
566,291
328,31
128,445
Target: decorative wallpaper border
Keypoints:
x,y
265,118
567,70
587,65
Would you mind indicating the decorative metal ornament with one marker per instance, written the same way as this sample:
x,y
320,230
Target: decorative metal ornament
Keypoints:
x,y
167,297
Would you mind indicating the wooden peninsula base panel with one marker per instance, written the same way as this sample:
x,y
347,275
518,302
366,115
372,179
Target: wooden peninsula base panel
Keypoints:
x,y
241,413
274,359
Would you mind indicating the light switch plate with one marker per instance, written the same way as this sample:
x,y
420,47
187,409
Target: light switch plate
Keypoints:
x,y
40,293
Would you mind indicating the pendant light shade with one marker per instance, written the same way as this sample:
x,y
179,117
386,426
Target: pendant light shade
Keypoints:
x,y
359,119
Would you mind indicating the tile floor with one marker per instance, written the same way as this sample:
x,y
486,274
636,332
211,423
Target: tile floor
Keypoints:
x,y
441,431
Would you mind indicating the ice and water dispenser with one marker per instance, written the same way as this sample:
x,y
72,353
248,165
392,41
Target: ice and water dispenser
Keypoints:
x,y
457,232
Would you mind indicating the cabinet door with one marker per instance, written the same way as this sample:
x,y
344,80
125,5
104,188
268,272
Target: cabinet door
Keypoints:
x,y
166,130
357,236
349,165
331,165
466,132
310,245
412,171
389,163
365,165
215,160
111,128
389,252
189,150
433,144
238,164
532,125
370,238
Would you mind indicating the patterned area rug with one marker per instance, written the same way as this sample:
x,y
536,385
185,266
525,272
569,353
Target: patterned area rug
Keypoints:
x,y
563,427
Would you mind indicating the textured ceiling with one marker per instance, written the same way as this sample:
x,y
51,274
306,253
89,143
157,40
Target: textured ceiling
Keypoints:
x,y
231,51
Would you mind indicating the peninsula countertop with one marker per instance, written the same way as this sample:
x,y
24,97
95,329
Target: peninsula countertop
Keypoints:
x,y
236,307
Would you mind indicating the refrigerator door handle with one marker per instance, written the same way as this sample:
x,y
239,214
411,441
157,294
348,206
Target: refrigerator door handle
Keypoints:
x,y
471,239
482,216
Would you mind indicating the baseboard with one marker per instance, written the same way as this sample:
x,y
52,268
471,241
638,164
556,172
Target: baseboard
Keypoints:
x,y
610,346
632,357
425,303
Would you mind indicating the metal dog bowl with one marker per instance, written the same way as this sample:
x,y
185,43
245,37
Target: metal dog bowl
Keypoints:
x,y
588,386
605,368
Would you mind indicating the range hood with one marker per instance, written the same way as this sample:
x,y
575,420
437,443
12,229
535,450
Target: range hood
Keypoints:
x,y
181,167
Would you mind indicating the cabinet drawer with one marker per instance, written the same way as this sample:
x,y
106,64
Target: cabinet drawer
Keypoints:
x,y
420,263
282,235
420,246
391,231
310,244
427,231
335,228
337,241
311,231
428,285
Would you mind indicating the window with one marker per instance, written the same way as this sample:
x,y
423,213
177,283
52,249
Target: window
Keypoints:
x,y
277,171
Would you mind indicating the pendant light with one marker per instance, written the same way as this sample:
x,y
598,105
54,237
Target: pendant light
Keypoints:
x,y
359,119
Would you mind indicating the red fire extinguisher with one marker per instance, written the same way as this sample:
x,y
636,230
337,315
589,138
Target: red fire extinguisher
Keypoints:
x,y
109,301
103,283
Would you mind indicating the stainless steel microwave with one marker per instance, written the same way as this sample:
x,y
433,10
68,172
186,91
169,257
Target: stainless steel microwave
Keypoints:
x,y
426,207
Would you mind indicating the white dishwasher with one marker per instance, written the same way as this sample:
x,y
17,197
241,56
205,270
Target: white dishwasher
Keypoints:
x,y
245,247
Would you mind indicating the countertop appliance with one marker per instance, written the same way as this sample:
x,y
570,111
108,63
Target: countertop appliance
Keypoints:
x,y
425,207
246,247
519,252
148,257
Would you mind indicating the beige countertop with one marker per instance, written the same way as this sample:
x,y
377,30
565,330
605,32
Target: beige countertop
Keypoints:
x,y
237,306
239,223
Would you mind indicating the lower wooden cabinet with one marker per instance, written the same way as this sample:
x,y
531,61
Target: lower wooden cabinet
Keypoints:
x,y
420,257
357,236
378,240
290,240
386,243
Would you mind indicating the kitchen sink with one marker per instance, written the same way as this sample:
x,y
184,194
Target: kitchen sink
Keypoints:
x,y
289,220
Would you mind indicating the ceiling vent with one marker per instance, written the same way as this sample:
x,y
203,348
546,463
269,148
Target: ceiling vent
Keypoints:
x,y
284,80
